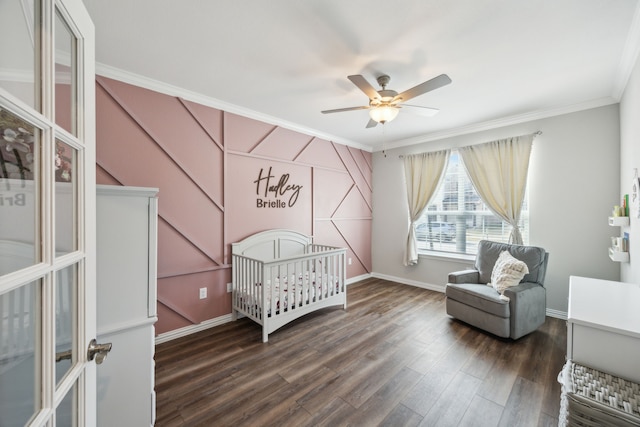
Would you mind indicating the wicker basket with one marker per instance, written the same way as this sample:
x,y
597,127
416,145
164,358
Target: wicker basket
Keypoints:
x,y
595,398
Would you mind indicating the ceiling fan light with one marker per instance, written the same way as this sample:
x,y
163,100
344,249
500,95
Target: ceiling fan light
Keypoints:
x,y
384,113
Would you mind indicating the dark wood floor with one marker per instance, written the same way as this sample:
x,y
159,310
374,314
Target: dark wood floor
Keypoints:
x,y
393,358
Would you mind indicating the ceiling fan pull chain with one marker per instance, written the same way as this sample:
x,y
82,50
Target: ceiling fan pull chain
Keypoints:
x,y
384,139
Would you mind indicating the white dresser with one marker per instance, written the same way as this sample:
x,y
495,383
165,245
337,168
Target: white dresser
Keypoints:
x,y
126,306
604,326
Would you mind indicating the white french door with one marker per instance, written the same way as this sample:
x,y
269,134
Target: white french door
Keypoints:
x,y
47,214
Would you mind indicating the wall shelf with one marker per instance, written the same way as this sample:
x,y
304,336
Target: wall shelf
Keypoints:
x,y
618,256
618,221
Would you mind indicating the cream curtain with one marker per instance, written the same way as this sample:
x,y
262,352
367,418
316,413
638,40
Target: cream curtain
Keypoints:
x,y
498,171
422,173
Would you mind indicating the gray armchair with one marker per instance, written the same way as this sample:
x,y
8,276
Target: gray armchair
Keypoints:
x,y
468,298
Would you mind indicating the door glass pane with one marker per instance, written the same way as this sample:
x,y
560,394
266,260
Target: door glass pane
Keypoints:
x,y
19,177
19,338
65,294
65,76
17,61
65,412
65,165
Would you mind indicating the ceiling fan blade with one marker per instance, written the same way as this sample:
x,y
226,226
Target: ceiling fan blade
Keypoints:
x,y
421,111
372,123
422,88
340,110
364,86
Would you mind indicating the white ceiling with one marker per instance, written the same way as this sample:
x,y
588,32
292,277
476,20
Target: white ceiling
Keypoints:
x,y
283,61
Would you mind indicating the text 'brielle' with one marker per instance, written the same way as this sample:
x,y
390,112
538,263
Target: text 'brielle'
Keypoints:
x,y
17,199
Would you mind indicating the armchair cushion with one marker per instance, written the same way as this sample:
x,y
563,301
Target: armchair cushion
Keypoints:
x,y
482,297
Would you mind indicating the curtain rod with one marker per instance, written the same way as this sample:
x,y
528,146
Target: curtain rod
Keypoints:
x,y
537,133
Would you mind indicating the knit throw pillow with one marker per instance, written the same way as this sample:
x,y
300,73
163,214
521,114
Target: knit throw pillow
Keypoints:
x,y
508,271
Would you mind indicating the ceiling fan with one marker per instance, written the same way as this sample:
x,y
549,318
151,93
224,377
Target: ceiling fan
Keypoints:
x,y
384,105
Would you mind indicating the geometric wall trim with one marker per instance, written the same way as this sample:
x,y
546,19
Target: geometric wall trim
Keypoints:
x,y
243,136
330,190
212,171
363,161
282,143
321,154
354,165
353,206
178,255
353,232
209,118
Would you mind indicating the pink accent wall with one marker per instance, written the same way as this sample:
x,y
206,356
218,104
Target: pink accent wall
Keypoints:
x,y
207,164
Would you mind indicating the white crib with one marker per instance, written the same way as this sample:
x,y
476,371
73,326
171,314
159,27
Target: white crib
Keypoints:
x,y
299,277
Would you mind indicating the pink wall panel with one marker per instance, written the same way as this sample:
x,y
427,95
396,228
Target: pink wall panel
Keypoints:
x,y
282,144
177,255
330,235
63,102
244,135
363,166
255,207
139,161
187,144
357,234
330,189
180,294
333,233
102,177
368,157
357,174
353,206
321,153
206,163
209,118
169,319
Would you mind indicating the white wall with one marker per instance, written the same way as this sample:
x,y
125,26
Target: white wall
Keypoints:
x,y
630,160
573,184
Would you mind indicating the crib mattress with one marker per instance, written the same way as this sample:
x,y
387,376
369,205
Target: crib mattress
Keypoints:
x,y
295,291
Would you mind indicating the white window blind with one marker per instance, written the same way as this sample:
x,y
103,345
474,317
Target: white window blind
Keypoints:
x,y
457,219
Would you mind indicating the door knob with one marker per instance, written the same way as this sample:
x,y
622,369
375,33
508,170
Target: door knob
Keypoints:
x,y
98,351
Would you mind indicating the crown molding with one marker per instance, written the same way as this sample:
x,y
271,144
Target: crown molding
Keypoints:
x,y
167,89
499,123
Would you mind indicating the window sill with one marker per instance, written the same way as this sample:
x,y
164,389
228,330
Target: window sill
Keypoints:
x,y
447,256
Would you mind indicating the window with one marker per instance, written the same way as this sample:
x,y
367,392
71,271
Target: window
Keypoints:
x,y
457,219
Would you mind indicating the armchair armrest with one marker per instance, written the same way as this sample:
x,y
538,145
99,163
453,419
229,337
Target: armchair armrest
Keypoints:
x,y
527,304
464,276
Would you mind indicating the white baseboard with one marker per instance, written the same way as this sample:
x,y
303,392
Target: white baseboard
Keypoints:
x,y
423,285
192,329
557,314
357,278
